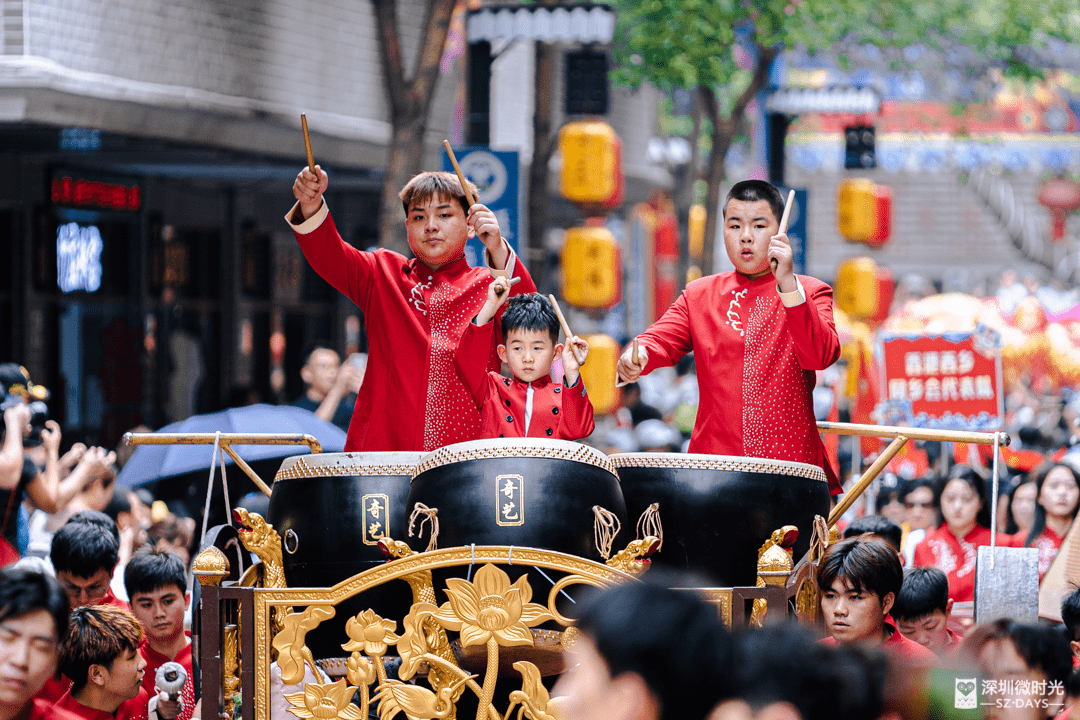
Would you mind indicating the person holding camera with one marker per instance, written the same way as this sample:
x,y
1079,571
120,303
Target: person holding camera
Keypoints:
x,y
31,438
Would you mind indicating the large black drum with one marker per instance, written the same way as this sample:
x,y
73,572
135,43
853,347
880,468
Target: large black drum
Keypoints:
x,y
525,492
717,511
331,510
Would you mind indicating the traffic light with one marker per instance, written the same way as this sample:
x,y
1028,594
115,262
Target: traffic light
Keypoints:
x,y
859,147
586,83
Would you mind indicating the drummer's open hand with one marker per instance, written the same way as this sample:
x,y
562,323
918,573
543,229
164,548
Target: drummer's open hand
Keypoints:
x,y
628,370
571,366
498,293
309,189
780,250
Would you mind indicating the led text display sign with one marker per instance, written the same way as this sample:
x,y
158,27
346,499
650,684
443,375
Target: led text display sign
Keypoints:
x,y
73,191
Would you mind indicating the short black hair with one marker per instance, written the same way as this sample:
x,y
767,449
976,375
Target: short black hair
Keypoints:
x,y
1043,647
1070,613
84,548
531,311
153,570
96,517
925,590
673,639
785,662
877,525
867,564
751,190
23,591
311,347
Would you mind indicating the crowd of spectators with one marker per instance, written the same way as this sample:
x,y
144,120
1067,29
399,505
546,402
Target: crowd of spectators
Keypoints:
x,y
94,589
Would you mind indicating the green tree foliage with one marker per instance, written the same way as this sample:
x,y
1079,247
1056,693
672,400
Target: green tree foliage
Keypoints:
x,y
689,44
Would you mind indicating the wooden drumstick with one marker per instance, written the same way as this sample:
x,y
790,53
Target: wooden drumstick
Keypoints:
x,y
634,356
783,223
460,175
565,328
307,146
513,282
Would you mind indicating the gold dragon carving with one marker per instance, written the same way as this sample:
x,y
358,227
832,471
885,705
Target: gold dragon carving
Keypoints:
x,y
634,558
260,537
489,611
775,563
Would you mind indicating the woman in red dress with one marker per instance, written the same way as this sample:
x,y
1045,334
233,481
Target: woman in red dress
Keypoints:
x,y
1057,498
953,546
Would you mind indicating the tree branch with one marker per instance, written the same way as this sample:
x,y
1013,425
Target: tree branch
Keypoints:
x,y
390,52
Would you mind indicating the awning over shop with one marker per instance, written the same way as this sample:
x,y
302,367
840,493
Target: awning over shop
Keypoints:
x,y
579,22
797,101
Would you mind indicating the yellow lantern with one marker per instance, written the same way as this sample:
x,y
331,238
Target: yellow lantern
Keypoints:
x,y
856,209
591,268
598,372
696,231
857,287
590,166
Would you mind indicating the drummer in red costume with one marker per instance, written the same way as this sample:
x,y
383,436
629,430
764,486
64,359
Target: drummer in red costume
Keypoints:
x,y
757,338
415,309
530,404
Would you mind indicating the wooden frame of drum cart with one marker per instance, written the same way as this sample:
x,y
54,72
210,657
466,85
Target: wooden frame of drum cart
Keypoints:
x,y
258,618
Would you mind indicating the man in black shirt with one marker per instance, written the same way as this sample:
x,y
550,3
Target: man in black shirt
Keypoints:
x,y
330,385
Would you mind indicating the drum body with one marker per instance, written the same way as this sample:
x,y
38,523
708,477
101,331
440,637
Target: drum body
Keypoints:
x,y
717,511
330,510
525,492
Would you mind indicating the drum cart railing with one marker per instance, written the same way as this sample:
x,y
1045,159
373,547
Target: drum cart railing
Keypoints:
x,y
244,628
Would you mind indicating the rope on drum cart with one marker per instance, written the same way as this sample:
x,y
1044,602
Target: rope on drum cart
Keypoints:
x,y
649,524
210,487
430,515
606,526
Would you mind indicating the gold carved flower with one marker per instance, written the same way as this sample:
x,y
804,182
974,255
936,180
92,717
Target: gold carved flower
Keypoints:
x,y
491,607
370,633
325,702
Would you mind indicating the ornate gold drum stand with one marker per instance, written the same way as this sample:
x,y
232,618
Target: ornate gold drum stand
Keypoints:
x,y
253,634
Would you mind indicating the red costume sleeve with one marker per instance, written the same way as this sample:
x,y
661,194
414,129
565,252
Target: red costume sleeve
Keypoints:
x,y
471,359
577,410
668,339
817,346
347,269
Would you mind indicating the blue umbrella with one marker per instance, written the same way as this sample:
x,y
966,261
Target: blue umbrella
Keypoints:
x,y
150,463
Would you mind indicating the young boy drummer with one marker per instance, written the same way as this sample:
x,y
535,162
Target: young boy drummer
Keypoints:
x,y
415,310
757,337
530,404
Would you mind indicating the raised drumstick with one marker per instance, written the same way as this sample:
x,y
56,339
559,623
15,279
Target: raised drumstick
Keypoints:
x,y
565,328
460,175
783,223
634,356
513,282
307,146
